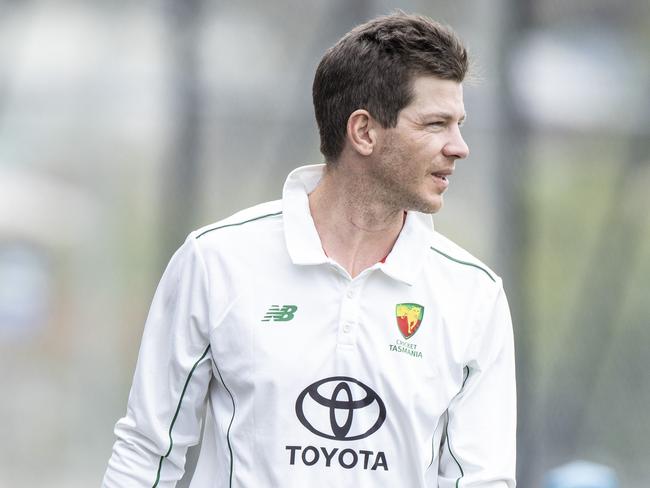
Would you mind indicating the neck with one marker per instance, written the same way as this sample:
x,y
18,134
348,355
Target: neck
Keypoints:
x,y
355,228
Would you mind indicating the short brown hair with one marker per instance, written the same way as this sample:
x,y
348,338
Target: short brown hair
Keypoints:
x,y
372,67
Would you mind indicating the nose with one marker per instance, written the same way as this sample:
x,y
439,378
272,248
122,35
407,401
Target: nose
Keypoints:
x,y
456,147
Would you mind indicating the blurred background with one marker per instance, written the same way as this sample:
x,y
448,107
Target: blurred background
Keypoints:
x,y
125,125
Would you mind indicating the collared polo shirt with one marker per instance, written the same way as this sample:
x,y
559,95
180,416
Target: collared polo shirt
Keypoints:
x,y
293,374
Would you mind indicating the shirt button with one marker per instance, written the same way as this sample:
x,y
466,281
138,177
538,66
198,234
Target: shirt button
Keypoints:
x,y
346,328
350,294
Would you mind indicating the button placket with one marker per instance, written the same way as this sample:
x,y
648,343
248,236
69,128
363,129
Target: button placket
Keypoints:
x,y
349,314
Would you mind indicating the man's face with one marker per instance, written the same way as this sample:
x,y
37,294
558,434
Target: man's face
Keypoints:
x,y
416,158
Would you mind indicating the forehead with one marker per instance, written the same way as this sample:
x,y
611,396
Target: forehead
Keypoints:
x,y
433,95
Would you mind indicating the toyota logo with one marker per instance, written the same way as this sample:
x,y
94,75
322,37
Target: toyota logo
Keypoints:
x,y
340,408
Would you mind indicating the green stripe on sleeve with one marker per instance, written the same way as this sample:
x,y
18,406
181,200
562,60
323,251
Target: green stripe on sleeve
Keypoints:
x,y
178,409
232,399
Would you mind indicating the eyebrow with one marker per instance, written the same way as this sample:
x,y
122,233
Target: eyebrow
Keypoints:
x,y
443,115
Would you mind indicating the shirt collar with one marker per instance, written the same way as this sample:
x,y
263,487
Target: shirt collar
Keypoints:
x,y
303,242
404,261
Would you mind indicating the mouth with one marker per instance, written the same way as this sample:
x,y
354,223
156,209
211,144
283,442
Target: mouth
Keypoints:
x,y
443,176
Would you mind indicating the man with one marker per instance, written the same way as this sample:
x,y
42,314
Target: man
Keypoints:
x,y
333,338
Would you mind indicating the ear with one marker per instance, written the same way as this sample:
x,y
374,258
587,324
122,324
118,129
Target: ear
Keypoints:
x,y
361,132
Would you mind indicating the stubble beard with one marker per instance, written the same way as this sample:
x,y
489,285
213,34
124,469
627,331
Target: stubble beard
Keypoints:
x,y
397,186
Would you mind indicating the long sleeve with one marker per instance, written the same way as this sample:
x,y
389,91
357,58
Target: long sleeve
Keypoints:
x,y
168,395
479,447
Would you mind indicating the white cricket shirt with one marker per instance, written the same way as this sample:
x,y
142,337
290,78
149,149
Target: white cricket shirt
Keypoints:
x,y
402,376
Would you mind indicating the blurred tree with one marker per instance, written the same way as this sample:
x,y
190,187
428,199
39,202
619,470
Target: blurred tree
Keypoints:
x,y
181,174
513,232
600,303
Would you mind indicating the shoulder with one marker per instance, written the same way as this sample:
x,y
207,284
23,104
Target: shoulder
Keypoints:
x,y
459,265
461,281
243,233
253,219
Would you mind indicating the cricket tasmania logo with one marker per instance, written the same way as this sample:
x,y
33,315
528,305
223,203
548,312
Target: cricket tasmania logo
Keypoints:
x,y
409,317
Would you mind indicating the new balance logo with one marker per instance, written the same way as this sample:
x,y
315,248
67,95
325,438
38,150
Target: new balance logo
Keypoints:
x,y
280,314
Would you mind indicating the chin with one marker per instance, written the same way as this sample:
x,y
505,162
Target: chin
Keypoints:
x,y
428,207
431,202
